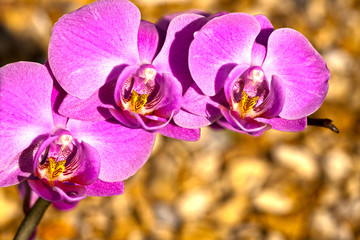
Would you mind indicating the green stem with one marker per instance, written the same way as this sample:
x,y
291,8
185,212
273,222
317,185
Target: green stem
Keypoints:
x,y
32,219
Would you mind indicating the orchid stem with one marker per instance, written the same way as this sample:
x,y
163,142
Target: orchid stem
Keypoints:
x,y
31,220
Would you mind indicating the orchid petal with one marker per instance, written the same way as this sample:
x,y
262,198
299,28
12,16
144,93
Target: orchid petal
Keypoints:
x,y
57,96
152,123
302,70
246,124
69,193
122,150
20,167
186,119
266,29
173,131
89,165
94,108
44,190
258,52
125,117
148,41
274,102
173,57
223,123
234,76
102,189
63,206
217,49
87,44
171,92
25,108
60,192
196,102
285,124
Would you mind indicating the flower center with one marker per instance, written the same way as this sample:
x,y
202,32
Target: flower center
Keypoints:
x,y
137,101
249,91
54,167
139,93
247,103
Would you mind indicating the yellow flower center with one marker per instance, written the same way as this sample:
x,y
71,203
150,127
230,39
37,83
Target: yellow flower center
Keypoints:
x,y
137,101
246,104
53,169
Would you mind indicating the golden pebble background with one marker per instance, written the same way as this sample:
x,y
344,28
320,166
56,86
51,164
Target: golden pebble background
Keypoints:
x,y
226,186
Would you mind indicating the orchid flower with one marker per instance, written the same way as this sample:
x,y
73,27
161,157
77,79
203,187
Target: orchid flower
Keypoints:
x,y
112,64
63,160
250,77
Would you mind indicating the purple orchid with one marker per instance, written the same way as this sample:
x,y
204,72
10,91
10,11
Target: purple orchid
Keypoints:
x,y
250,77
63,160
112,64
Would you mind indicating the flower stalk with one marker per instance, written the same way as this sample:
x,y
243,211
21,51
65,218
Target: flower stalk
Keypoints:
x,y
32,219
323,122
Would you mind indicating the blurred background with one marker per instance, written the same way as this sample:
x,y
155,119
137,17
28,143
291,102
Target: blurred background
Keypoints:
x,y
226,186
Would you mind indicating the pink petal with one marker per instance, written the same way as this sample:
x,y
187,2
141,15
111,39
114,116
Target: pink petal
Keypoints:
x,y
232,78
148,41
274,102
94,108
176,132
20,167
258,52
87,44
102,189
25,108
89,165
223,123
186,119
57,96
285,124
196,102
173,57
122,150
247,124
63,206
302,70
171,92
220,45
